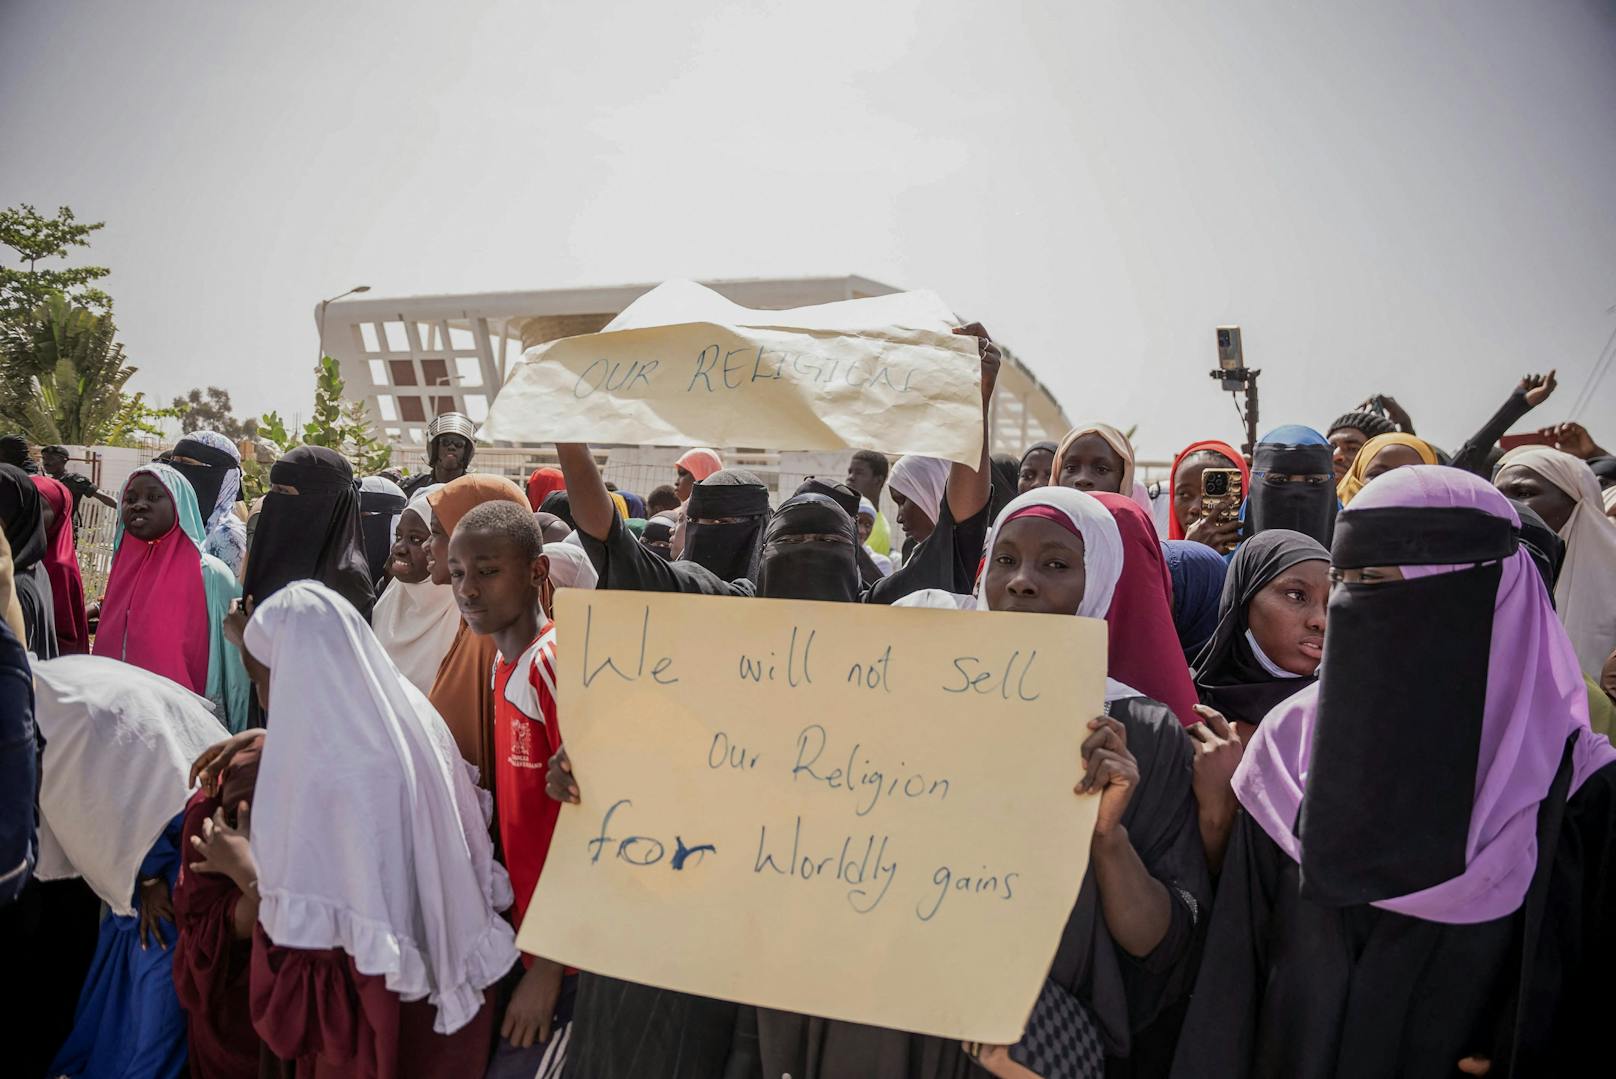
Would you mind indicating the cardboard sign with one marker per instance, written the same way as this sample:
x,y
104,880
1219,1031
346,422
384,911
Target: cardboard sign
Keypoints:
x,y
682,366
860,813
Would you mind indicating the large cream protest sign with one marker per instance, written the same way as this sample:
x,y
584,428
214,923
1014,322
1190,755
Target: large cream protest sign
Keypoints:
x,y
682,366
860,813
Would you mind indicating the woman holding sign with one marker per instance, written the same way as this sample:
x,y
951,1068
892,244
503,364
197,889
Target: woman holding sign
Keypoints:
x,y
1124,957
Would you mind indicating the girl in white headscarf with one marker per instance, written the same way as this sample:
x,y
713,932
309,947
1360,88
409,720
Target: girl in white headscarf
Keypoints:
x,y
378,881
415,620
119,741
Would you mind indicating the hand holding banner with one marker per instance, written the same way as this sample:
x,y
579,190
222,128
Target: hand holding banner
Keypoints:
x,y
682,366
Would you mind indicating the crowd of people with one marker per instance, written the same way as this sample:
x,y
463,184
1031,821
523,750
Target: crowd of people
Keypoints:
x,y
278,801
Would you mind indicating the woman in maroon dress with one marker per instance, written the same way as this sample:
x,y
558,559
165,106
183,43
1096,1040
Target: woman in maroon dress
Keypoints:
x,y
378,932
216,916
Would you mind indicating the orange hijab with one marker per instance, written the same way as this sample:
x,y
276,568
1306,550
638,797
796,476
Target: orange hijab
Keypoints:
x,y
463,692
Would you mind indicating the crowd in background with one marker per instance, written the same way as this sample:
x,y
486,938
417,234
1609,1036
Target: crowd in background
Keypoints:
x,y
278,800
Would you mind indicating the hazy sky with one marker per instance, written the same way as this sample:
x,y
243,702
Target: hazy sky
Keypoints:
x,y
1417,202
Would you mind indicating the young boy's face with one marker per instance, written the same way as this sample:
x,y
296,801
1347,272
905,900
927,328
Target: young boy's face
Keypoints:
x,y
493,583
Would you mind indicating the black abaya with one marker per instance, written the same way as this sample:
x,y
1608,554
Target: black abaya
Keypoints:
x,y
1290,988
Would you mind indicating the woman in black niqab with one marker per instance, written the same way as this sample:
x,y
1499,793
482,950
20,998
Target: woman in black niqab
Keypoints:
x,y
22,516
809,552
313,534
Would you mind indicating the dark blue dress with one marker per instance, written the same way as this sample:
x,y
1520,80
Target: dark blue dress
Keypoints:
x,y
129,1024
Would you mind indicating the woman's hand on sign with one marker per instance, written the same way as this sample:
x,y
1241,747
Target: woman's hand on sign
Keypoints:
x,y
1109,770
991,357
558,781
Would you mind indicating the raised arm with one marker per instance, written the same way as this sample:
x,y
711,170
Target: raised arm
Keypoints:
x,y
591,503
1532,391
968,488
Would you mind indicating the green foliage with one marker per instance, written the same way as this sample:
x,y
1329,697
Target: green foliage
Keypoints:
x,y
136,423
64,375
210,410
36,238
337,424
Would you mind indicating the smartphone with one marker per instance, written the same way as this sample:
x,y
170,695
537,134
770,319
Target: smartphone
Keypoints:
x,y
1231,356
1222,491
1530,438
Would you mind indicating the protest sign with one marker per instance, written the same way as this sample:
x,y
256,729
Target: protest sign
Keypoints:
x,y
682,366
861,813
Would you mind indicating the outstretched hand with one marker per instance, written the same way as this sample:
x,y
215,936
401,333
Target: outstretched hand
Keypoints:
x,y
1537,388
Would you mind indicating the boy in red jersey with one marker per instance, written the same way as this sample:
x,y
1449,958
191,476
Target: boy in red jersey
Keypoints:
x,y
497,569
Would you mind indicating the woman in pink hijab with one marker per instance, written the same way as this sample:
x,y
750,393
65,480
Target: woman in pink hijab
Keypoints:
x,y
1421,878
692,468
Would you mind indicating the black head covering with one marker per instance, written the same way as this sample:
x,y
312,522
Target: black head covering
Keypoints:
x,y
557,503
1542,543
1370,423
1278,500
376,512
22,517
839,493
1047,447
1228,675
657,537
23,520
312,535
1605,469
819,568
207,477
1376,692
847,498
14,451
1004,472
729,551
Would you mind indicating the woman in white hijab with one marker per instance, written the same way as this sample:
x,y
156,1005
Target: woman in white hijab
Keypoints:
x,y
113,786
415,620
375,867
1564,491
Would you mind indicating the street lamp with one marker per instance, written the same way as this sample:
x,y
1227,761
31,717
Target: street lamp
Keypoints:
x,y
327,303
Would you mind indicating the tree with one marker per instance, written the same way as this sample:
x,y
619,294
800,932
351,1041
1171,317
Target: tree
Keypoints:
x,y
210,410
36,238
338,424
64,377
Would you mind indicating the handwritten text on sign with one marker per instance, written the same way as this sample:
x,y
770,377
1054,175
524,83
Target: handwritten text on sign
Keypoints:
x,y
862,813
791,387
